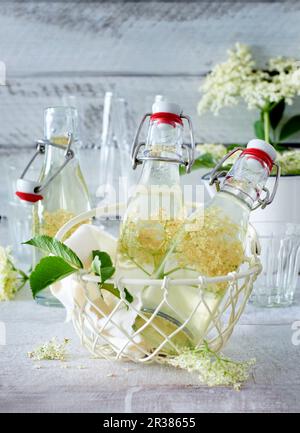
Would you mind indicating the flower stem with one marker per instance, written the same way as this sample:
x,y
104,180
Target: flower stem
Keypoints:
x,y
177,269
266,116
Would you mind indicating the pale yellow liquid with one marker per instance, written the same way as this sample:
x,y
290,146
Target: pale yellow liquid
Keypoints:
x,y
210,245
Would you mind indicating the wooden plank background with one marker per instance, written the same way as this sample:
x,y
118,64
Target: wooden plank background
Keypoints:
x,y
137,49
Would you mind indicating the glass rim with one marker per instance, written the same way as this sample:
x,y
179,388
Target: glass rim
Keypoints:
x,y
60,108
281,222
281,234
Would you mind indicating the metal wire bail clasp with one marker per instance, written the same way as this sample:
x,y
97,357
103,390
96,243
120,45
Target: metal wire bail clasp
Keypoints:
x,y
269,197
217,173
189,148
29,190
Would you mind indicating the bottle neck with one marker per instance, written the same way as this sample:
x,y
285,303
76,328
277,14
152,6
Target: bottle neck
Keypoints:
x,y
160,173
246,179
163,141
239,193
54,156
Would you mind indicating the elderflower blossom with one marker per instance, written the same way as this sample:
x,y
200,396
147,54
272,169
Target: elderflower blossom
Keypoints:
x,y
295,79
8,275
213,369
211,245
289,162
239,78
147,241
218,151
283,65
273,85
222,87
52,350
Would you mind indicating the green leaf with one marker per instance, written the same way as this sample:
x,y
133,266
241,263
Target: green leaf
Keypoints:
x,y
259,129
290,127
128,296
48,271
50,245
206,160
110,288
203,161
233,146
115,291
106,261
276,113
102,265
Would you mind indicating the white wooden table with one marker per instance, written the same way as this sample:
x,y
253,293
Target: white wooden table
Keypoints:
x,y
83,384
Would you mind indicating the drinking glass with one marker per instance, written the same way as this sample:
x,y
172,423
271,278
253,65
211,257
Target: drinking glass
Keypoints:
x,y
19,213
280,257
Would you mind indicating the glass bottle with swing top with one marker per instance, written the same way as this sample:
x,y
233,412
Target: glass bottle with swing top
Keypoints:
x,y
156,210
211,243
60,193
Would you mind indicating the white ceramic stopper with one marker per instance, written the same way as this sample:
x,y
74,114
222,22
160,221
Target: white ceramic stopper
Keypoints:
x,y
264,146
161,106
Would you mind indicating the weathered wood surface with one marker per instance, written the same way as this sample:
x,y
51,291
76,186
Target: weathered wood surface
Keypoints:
x,y
23,102
139,37
53,49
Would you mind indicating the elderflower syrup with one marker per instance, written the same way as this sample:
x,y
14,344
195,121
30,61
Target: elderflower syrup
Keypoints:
x,y
65,193
155,211
212,243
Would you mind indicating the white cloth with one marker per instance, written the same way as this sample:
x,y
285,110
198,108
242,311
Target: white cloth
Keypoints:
x,y
72,291
83,241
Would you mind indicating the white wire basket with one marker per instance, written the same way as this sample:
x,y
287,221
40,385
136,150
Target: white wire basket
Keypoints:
x,y
123,330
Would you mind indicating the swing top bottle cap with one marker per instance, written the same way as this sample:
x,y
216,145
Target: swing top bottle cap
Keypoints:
x,y
261,151
26,191
163,106
166,112
263,146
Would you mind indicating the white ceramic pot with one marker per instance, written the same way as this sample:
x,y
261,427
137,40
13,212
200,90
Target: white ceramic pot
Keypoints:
x,y
286,204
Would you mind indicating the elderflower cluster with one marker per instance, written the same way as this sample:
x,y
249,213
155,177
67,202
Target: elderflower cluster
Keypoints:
x,y
50,222
239,77
8,275
211,245
147,241
52,350
271,86
218,151
223,86
289,162
213,369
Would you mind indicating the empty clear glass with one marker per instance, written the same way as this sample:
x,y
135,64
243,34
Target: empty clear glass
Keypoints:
x,y
280,256
20,230
115,172
19,214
